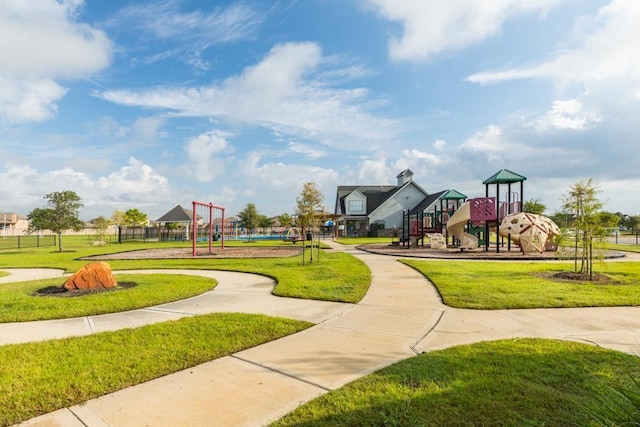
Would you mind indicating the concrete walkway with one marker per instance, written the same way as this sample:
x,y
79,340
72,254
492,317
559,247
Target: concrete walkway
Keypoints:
x,y
401,316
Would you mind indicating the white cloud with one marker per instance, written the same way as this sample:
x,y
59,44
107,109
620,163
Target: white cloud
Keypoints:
x,y
280,93
431,27
109,127
147,128
416,160
136,181
284,182
33,99
492,146
373,172
164,20
605,48
194,31
306,150
439,144
203,152
568,114
41,43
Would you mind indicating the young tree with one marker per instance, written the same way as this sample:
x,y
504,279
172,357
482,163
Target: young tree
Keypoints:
x,y
589,222
249,218
102,225
534,206
61,214
307,202
134,217
117,218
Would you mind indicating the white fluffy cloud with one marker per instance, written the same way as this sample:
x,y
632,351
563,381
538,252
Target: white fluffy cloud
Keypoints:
x,y
605,48
493,147
281,93
431,27
41,43
133,185
135,179
284,182
566,114
203,153
374,171
33,99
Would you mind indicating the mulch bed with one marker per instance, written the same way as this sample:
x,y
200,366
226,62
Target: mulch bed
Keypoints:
x,y
576,277
426,252
60,291
478,254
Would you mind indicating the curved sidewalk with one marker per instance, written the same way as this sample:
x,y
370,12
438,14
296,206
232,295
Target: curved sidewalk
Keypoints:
x,y
401,315
235,292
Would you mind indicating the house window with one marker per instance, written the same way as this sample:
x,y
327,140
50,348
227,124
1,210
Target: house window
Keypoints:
x,y
356,206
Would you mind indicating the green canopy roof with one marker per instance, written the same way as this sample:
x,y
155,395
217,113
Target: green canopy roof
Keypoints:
x,y
453,195
504,176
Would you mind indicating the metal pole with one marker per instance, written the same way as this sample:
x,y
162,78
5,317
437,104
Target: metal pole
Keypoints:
x,y
210,228
193,235
222,241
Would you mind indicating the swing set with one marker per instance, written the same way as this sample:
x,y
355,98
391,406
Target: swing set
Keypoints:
x,y
214,212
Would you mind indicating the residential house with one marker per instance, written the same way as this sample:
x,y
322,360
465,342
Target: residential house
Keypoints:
x,y
377,210
13,224
363,210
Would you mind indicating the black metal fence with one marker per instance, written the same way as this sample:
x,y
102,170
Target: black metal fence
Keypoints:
x,y
28,241
143,234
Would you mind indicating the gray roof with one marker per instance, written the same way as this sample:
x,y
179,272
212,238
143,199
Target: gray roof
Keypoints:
x,y
376,195
177,214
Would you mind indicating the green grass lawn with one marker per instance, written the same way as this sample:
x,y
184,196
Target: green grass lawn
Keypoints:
x,y
19,303
504,285
512,382
335,277
624,248
363,240
38,378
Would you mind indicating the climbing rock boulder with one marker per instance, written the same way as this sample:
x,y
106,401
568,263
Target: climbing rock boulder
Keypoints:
x,y
96,275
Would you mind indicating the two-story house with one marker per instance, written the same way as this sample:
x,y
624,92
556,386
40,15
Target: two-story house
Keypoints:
x,y
366,209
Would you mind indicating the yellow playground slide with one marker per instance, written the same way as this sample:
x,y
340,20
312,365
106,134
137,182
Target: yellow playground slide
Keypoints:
x,y
456,225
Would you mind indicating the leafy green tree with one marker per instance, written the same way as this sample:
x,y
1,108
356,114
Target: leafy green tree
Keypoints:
x,y
264,221
630,222
135,217
60,214
562,219
534,206
248,218
309,200
285,220
588,221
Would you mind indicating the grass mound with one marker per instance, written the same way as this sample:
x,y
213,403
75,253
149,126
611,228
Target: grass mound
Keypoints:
x,y
510,382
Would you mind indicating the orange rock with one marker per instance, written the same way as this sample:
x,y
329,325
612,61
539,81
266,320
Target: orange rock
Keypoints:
x,y
95,275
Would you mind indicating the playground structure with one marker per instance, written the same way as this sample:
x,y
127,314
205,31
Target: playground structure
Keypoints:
x,y
457,224
471,223
292,234
211,209
532,232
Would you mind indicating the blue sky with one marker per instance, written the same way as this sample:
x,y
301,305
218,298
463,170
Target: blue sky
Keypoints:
x,y
136,104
